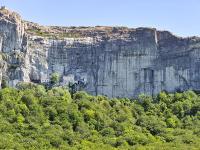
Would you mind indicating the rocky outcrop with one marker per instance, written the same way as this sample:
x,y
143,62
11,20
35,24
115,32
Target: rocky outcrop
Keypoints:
x,y
113,61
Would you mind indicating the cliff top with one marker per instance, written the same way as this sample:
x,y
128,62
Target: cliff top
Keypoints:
x,y
8,15
60,32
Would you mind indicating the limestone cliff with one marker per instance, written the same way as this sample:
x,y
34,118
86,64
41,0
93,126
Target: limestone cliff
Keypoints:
x,y
113,61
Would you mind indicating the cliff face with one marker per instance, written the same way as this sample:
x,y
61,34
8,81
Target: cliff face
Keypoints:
x,y
113,61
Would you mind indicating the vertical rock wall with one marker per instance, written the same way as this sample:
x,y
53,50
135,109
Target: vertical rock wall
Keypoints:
x,y
117,62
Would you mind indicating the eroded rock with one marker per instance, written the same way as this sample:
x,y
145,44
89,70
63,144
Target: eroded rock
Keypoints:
x,y
113,61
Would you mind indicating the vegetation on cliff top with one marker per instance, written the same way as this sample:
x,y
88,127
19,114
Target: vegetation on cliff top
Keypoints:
x,y
35,118
39,32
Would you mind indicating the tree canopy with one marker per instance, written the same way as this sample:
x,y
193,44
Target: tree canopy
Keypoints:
x,y
33,117
55,78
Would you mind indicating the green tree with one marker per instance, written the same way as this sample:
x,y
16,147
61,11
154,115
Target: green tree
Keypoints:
x,y
32,117
4,83
55,78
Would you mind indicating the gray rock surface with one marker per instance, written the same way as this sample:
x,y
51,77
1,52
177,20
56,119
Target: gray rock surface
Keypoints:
x,y
113,61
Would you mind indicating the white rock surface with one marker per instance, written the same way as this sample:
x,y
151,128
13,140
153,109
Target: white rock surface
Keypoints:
x,y
113,61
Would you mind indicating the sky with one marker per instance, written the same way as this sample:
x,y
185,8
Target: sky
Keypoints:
x,y
181,17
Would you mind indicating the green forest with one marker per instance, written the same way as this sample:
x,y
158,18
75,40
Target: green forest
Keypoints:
x,y
33,117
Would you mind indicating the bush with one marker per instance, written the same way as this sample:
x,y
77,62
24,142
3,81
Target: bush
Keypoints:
x,y
55,78
32,117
